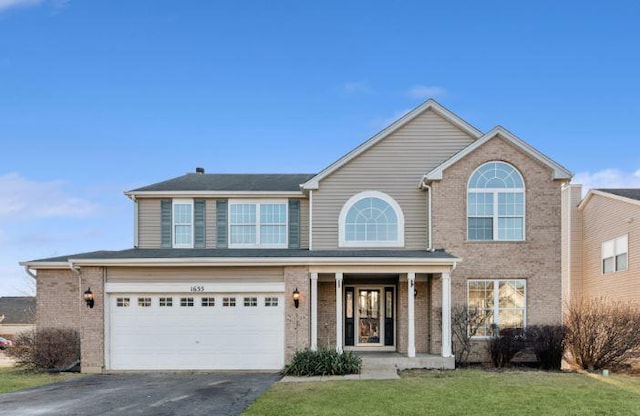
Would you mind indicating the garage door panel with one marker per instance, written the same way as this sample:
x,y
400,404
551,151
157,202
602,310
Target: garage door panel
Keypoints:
x,y
197,337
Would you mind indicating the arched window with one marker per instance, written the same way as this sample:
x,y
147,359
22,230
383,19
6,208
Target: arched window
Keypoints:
x,y
371,219
495,203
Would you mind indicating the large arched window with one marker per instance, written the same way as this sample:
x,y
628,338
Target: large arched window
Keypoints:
x,y
495,203
371,219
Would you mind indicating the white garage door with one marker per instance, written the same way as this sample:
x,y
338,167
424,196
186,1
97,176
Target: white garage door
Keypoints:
x,y
242,331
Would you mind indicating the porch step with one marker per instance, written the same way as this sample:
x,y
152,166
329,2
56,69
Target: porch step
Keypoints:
x,y
394,361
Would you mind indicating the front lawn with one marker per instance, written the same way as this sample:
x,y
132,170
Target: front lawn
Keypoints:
x,y
12,379
459,392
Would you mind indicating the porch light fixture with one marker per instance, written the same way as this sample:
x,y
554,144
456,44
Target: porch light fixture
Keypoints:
x,y
296,298
88,297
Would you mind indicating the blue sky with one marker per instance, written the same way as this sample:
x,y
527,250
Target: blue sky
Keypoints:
x,y
99,97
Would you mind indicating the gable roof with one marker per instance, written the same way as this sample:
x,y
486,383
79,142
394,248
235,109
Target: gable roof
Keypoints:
x,y
628,195
18,310
559,171
430,104
212,183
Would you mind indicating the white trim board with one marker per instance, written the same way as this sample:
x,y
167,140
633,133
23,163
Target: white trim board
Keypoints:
x,y
559,171
208,287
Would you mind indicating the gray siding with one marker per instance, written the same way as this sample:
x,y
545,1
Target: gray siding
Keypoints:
x,y
210,231
394,166
149,223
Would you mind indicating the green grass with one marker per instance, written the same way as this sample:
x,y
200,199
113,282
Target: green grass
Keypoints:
x,y
12,379
460,392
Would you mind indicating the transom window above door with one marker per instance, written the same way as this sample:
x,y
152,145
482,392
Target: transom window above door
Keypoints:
x,y
496,203
258,224
371,219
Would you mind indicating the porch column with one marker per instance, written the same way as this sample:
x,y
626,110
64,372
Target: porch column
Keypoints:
x,y
411,330
339,312
314,311
446,314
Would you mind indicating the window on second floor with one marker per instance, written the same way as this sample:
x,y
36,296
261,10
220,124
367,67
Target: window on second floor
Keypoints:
x,y
495,203
258,224
371,219
615,255
182,223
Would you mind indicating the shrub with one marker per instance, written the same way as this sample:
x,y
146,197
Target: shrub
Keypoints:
x,y
504,346
602,333
465,323
548,343
47,348
323,362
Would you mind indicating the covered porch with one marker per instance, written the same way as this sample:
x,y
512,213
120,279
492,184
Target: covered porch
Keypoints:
x,y
389,314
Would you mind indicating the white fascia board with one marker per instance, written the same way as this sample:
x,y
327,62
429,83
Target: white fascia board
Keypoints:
x,y
559,171
209,194
45,264
264,261
313,183
593,192
208,287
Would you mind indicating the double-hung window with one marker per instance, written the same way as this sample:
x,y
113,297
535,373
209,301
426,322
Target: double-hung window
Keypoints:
x,y
495,203
500,304
182,223
258,224
615,255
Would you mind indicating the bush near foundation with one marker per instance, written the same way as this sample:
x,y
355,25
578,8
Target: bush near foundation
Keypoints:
x,y
602,333
504,346
46,349
548,343
323,362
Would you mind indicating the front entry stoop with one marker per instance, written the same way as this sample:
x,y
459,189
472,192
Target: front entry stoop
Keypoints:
x,y
373,362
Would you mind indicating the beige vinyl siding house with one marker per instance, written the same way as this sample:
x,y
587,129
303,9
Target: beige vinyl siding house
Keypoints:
x,y
427,215
609,220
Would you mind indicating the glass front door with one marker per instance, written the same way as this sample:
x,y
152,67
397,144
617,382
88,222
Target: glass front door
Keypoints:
x,y
369,317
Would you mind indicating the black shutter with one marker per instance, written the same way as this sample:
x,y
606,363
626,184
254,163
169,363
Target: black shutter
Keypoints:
x,y
221,223
199,221
165,223
294,223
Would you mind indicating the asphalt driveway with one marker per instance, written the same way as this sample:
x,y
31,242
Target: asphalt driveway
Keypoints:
x,y
157,394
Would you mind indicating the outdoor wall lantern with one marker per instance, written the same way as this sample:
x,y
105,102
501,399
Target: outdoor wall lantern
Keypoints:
x,y
296,298
88,297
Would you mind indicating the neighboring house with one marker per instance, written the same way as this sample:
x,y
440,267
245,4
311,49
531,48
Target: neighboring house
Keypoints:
x,y
604,241
17,314
376,248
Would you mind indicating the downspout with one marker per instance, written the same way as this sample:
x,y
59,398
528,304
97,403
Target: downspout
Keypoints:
x,y
426,187
135,219
27,269
310,219
76,270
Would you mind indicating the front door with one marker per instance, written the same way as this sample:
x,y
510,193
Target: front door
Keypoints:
x,y
369,328
369,316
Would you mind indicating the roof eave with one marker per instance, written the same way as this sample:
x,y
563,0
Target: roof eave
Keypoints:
x,y
196,194
593,192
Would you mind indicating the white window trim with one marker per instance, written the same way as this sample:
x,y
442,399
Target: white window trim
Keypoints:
x,y
258,203
496,216
370,194
173,222
496,302
617,251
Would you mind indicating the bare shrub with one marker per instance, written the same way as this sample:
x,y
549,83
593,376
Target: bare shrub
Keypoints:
x,y
602,333
47,348
465,323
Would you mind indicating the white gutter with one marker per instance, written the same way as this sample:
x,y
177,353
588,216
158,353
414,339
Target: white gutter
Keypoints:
x,y
28,271
195,194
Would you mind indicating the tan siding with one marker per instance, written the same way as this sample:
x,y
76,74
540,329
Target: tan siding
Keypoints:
x,y
576,242
304,223
210,230
537,259
394,166
605,219
204,274
149,223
